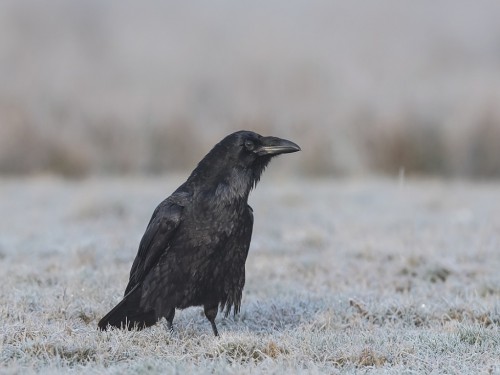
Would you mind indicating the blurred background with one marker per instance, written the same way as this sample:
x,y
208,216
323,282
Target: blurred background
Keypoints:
x,y
91,87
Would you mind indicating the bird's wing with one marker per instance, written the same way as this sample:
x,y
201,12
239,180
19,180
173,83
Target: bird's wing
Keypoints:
x,y
155,242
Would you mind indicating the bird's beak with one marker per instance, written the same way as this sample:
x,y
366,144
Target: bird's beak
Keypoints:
x,y
276,146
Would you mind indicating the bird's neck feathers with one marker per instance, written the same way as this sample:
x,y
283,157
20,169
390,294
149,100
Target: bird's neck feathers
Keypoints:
x,y
237,182
227,180
226,186
236,185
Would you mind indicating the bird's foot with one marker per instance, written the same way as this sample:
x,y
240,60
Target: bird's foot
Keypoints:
x,y
214,329
169,327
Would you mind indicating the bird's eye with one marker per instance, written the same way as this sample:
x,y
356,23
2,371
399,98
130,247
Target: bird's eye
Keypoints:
x,y
249,145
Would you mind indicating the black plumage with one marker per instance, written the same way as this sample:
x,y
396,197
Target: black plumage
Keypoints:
x,y
195,246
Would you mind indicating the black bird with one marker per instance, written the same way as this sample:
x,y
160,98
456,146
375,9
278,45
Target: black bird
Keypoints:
x,y
195,246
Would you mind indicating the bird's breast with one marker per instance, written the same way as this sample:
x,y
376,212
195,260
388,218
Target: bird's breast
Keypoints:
x,y
209,229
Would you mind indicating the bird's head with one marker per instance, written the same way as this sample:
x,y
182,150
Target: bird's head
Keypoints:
x,y
248,149
240,158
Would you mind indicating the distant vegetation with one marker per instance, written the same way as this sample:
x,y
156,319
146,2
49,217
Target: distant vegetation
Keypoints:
x,y
376,147
110,88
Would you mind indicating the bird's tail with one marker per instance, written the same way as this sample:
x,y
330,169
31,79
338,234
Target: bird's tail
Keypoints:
x,y
127,314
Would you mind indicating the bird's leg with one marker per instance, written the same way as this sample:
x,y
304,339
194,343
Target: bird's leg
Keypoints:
x,y
170,319
211,313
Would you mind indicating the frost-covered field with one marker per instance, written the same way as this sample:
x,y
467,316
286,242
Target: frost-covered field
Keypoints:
x,y
343,276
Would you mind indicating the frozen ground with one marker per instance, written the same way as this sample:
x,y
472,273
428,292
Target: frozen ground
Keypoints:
x,y
342,277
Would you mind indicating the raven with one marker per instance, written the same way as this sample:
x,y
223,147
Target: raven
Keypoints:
x,y
195,246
